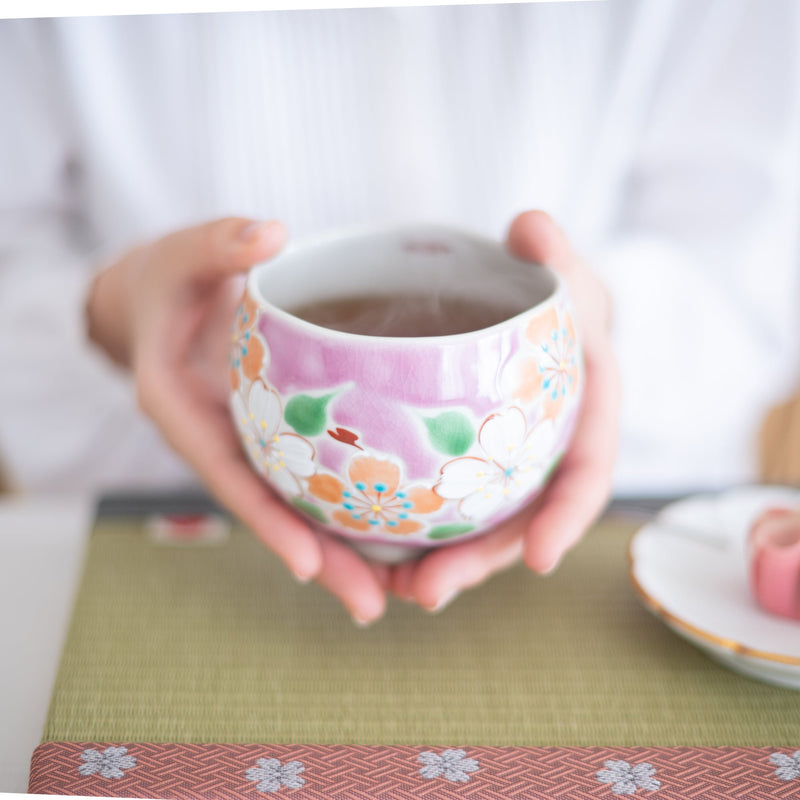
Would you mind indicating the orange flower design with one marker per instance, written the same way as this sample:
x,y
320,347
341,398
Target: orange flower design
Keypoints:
x,y
247,348
552,373
375,499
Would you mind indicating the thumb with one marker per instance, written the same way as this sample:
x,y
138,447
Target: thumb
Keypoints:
x,y
221,248
534,236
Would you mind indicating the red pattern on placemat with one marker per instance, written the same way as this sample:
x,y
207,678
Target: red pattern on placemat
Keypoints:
x,y
193,771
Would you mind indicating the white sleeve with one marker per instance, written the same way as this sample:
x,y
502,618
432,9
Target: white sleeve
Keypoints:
x,y
67,415
702,260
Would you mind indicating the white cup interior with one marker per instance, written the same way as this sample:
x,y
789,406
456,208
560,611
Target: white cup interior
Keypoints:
x,y
430,260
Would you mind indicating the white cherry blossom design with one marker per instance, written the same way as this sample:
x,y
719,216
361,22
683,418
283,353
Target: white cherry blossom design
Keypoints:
x,y
284,458
516,463
627,779
452,765
111,763
271,775
788,767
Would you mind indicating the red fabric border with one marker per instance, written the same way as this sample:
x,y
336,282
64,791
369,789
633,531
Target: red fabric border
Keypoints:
x,y
191,771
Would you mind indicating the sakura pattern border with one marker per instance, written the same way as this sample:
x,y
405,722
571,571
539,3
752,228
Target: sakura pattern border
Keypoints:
x,y
193,771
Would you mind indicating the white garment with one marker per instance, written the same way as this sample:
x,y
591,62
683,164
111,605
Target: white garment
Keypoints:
x,y
663,136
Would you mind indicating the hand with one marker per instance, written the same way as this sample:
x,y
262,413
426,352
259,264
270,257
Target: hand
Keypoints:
x,y
578,492
164,310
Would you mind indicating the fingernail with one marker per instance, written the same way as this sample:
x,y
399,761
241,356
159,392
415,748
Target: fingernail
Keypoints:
x,y
249,233
362,623
443,602
550,568
301,579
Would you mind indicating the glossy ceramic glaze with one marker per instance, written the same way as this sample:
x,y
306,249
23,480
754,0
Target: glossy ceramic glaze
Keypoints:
x,y
410,442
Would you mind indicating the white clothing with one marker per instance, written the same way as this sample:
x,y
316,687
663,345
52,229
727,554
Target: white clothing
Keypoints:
x,y
663,136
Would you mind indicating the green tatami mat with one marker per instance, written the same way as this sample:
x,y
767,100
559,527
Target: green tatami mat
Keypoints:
x,y
217,643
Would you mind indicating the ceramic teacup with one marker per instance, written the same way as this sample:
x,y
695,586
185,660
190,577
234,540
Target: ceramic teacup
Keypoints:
x,y
404,443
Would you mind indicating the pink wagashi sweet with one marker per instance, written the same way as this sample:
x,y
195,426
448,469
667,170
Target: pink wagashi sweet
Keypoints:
x,y
774,561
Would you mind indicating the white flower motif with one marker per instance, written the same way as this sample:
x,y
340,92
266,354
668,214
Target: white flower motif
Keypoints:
x,y
625,779
111,763
788,766
516,463
452,765
272,775
284,457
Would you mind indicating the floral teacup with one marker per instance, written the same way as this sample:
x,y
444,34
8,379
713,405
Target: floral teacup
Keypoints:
x,y
404,443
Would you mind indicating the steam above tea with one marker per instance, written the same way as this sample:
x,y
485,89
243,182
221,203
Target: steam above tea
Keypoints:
x,y
406,315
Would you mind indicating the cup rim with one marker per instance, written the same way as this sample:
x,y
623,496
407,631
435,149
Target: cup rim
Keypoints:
x,y
356,231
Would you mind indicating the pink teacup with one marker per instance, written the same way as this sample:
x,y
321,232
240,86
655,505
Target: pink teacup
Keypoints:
x,y
774,554
404,443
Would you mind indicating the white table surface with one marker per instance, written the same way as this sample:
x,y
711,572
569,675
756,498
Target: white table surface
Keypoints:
x,y
42,543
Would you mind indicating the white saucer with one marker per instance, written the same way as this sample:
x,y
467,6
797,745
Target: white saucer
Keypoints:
x,y
689,568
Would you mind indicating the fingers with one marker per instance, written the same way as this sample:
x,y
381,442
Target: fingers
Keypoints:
x,y
546,529
534,236
582,484
217,458
185,271
220,248
580,489
174,279
345,574
577,495
573,502
205,438
441,576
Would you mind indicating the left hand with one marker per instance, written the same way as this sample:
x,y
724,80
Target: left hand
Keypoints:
x,y
163,310
543,531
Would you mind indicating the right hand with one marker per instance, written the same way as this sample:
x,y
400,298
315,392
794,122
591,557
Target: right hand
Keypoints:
x,y
547,528
164,311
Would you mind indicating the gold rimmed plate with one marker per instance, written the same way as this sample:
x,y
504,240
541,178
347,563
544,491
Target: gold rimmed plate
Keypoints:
x,y
689,567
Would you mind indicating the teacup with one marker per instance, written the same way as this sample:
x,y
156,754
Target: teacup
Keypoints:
x,y
402,443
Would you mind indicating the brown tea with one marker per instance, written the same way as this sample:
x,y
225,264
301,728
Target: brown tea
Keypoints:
x,y
407,314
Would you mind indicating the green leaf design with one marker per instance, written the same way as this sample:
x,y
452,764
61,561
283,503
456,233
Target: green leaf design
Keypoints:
x,y
449,531
306,414
313,511
451,433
